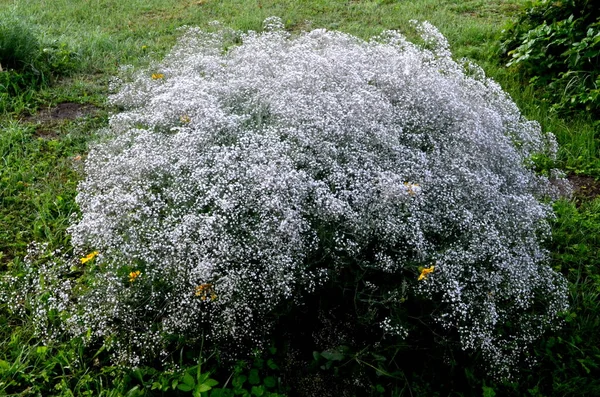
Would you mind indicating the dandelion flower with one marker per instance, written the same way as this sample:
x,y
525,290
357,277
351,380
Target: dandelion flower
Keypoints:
x,y
413,188
206,291
134,275
157,76
425,272
89,257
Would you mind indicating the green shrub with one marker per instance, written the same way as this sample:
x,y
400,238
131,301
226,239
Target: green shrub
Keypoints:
x,y
556,44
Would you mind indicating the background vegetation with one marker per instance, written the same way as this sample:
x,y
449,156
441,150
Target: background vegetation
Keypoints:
x,y
67,53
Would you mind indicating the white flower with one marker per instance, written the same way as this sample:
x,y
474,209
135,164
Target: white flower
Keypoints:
x,y
294,148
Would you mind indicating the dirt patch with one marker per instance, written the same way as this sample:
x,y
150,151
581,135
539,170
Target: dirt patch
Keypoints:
x,y
584,187
50,120
62,111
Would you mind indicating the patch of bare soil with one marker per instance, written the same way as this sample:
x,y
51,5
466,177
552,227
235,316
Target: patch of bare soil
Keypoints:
x,y
585,187
62,111
50,119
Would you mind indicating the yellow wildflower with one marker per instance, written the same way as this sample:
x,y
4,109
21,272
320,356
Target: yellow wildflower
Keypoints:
x,y
206,291
89,257
134,275
185,119
157,76
425,272
413,188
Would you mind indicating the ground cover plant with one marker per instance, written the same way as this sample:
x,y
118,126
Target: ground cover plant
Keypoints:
x,y
373,364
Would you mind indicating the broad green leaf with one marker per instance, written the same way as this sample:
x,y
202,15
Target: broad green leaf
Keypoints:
x,y
253,377
211,382
184,387
203,387
189,380
270,381
333,355
238,381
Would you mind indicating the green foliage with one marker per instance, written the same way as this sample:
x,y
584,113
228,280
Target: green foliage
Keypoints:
x,y
570,359
256,377
19,48
19,54
30,367
37,185
26,64
556,44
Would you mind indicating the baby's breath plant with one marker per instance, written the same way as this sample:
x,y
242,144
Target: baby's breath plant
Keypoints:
x,y
246,169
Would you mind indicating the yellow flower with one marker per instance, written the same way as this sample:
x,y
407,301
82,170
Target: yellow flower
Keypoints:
x,y
413,188
185,119
206,291
425,272
134,275
157,76
89,257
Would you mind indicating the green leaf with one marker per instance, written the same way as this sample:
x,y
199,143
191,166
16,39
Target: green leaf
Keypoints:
x,y
203,387
189,380
333,355
258,391
202,378
41,349
272,364
488,392
253,377
4,365
211,382
585,367
185,387
238,381
156,385
134,392
270,381
378,357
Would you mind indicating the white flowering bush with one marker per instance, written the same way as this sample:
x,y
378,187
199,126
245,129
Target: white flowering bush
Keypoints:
x,y
245,169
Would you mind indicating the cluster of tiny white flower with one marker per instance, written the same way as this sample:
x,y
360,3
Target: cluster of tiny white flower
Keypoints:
x,y
393,329
229,171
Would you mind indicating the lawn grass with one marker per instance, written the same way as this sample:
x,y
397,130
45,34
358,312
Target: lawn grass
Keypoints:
x,y
109,33
41,160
